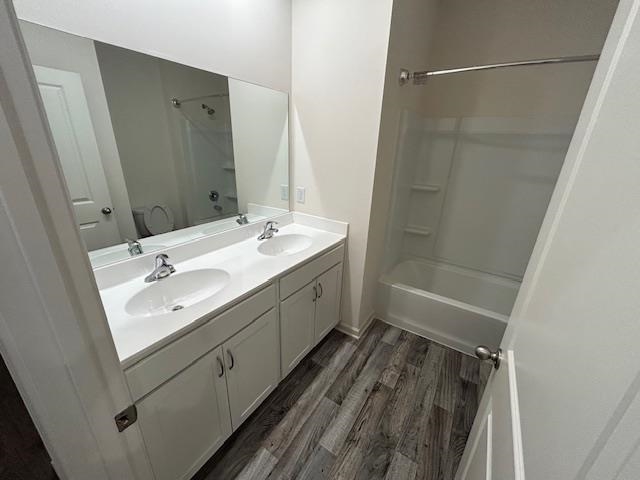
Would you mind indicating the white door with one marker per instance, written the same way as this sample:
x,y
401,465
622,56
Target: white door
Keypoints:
x,y
185,420
565,402
328,302
297,316
253,366
70,122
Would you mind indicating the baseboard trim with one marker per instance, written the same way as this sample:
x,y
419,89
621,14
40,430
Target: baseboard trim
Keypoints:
x,y
356,333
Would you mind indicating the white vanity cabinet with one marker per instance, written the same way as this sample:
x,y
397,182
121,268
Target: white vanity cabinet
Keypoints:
x,y
297,317
308,314
192,393
253,366
187,418
328,287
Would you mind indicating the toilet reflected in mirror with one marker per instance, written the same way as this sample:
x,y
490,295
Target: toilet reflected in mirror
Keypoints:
x,y
153,220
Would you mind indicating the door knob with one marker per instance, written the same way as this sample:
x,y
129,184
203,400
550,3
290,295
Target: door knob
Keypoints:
x,y
485,354
106,210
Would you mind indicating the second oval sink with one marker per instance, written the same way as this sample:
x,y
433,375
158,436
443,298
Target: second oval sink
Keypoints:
x,y
287,244
180,290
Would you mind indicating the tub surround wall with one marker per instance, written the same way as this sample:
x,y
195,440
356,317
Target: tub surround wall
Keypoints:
x,y
475,158
505,167
498,32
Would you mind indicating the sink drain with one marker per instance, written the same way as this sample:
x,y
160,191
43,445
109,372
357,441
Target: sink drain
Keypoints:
x,y
176,308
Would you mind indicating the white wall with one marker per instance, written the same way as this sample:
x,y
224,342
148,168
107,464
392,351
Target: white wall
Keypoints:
x,y
245,39
51,48
260,121
339,51
409,43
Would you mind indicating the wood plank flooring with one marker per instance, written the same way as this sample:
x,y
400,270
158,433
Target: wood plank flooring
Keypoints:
x,y
393,406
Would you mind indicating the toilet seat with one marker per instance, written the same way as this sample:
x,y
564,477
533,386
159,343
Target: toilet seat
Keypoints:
x,y
158,219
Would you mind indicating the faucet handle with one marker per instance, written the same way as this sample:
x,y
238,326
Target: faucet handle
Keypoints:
x,y
161,259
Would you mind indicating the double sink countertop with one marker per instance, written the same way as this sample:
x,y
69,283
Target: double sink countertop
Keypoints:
x,y
211,275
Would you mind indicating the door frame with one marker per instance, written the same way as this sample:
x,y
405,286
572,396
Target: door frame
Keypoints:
x,y
622,22
54,334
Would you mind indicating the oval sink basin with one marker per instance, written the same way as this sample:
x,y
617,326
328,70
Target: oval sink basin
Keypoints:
x,y
180,290
287,244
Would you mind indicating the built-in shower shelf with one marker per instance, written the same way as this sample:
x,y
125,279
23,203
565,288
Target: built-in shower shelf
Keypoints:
x,y
413,230
426,188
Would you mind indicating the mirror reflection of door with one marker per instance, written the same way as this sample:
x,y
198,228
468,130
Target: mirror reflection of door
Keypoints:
x,y
67,111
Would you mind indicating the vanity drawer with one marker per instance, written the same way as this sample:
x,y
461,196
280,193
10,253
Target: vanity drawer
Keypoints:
x,y
297,279
156,369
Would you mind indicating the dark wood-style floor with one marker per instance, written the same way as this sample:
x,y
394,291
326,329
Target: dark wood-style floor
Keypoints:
x,y
22,453
391,406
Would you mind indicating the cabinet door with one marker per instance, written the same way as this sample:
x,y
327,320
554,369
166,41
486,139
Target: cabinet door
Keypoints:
x,y
253,366
297,314
328,302
186,419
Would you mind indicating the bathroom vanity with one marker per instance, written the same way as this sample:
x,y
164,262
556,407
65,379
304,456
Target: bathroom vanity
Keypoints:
x,y
203,347
172,173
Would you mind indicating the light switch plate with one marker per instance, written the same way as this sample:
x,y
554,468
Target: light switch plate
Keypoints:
x,y
300,194
284,192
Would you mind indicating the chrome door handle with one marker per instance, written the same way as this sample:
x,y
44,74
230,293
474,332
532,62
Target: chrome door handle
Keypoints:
x,y
231,359
321,290
221,367
485,354
315,293
106,211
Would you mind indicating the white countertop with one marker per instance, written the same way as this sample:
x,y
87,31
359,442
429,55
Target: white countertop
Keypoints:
x,y
136,337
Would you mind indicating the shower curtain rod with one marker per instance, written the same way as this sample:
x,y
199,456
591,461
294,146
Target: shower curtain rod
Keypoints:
x,y
176,102
421,77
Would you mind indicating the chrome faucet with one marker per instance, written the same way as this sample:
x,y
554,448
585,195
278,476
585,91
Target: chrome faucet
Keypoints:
x,y
242,219
134,247
163,269
269,230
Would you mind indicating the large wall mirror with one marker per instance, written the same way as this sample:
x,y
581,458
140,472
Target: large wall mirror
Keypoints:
x,y
155,151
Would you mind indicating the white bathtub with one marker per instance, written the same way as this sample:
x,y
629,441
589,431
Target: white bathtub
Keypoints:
x,y
454,306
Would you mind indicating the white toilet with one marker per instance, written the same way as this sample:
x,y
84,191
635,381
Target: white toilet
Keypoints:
x,y
153,220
